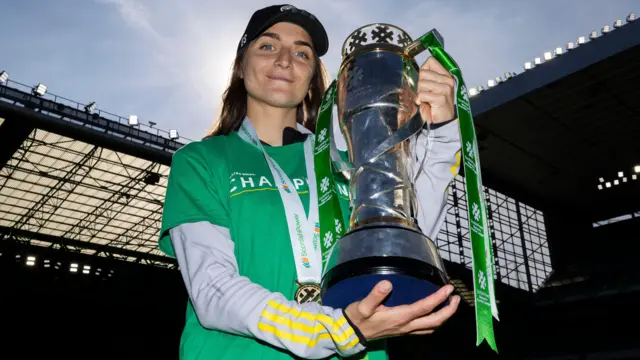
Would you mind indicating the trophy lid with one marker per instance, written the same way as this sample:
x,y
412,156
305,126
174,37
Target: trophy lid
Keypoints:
x,y
371,35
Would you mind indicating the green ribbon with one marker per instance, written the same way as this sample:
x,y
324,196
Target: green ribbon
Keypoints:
x,y
332,226
482,254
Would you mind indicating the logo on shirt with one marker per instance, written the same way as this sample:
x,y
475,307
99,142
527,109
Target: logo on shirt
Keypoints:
x,y
247,183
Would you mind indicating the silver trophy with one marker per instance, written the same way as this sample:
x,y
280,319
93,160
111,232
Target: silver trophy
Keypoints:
x,y
378,118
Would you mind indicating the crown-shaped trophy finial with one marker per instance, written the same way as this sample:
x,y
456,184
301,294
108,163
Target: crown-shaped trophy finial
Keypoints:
x,y
375,35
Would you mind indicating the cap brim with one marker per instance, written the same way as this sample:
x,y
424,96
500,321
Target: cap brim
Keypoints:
x,y
315,29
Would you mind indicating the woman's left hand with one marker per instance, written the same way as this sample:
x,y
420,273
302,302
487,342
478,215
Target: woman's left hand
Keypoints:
x,y
436,87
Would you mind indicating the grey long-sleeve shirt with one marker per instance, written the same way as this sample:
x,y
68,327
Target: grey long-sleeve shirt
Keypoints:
x,y
226,301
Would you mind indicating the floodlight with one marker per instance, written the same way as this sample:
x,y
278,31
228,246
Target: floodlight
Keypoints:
x,y
133,120
616,182
4,76
86,269
498,79
571,45
73,267
606,29
480,88
46,263
558,51
634,176
620,174
601,179
507,75
537,61
631,17
600,187
581,40
608,184
617,24
637,168
491,83
548,56
90,107
593,35
624,180
173,134
39,90
528,65
473,92
31,260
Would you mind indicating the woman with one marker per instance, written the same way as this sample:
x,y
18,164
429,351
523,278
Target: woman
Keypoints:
x,y
225,223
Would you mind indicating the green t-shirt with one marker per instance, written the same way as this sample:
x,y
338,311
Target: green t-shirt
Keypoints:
x,y
227,182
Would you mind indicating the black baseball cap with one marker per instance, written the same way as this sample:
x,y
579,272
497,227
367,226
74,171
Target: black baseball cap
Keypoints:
x,y
264,18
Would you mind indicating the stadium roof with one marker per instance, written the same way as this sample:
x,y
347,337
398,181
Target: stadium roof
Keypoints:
x,y
81,180
548,135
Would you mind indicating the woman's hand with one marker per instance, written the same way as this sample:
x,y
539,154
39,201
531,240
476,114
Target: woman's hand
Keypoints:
x,y
435,92
376,321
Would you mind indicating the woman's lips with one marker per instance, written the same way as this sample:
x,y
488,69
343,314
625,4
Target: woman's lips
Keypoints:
x,y
280,78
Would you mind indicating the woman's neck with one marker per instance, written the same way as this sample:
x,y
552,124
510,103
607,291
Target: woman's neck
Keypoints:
x,y
270,121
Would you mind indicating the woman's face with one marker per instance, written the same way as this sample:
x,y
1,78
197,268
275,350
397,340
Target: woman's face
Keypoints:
x,y
279,65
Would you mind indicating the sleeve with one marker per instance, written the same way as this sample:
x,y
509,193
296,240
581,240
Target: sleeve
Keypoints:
x,y
440,150
193,193
225,301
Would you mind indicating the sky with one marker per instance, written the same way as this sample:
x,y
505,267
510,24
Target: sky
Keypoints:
x,y
168,61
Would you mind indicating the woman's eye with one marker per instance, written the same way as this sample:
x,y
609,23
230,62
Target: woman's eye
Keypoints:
x,y
303,54
267,47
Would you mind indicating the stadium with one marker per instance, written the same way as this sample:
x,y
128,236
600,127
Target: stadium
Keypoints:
x,y
81,197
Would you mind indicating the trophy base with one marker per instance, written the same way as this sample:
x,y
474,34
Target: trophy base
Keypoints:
x,y
353,280
367,255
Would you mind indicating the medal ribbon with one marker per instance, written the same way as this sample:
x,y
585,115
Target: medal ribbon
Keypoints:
x,y
303,230
482,254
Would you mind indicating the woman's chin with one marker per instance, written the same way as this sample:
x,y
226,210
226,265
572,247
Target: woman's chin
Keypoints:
x,y
283,100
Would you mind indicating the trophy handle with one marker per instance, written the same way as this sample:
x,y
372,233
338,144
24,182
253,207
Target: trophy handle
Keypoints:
x,y
416,123
421,44
340,165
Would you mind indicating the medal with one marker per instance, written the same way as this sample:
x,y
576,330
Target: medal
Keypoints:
x,y
307,293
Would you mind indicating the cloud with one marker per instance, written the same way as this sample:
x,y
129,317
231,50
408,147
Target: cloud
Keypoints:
x,y
168,61
135,14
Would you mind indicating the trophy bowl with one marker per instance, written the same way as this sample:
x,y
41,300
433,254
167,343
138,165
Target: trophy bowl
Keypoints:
x,y
378,118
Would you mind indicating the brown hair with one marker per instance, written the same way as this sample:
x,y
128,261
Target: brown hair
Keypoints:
x,y
234,99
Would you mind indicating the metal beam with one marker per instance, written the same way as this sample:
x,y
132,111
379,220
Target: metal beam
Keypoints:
x,y
9,233
57,118
12,134
109,208
51,200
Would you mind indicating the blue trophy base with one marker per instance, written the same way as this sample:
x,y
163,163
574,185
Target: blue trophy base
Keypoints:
x,y
352,281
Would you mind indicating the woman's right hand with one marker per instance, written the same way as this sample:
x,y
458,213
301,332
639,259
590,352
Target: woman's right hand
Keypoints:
x,y
376,321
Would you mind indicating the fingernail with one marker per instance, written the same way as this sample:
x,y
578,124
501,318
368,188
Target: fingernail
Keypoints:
x,y
449,289
385,287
